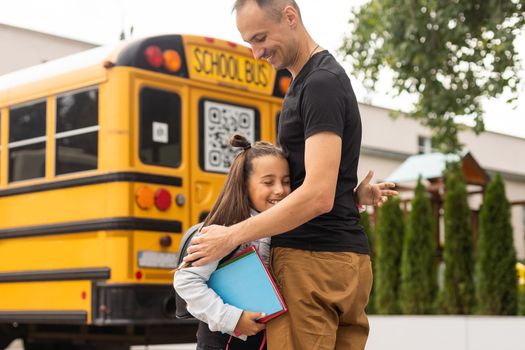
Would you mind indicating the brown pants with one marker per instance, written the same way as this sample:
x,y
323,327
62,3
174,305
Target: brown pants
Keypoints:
x,y
326,294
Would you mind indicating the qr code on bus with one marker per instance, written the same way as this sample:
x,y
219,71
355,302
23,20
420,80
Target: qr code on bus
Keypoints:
x,y
221,121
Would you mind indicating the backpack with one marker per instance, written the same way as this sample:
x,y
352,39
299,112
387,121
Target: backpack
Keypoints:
x,y
181,311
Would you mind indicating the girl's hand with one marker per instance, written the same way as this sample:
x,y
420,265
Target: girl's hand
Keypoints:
x,y
248,324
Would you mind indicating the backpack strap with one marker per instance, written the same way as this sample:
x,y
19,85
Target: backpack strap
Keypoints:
x,y
186,241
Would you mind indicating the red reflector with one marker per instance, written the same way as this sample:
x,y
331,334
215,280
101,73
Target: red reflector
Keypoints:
x,y
232,44
138,275
162,199
83,295
209,40
154,56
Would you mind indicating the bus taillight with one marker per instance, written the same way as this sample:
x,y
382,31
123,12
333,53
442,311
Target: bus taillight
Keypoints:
x,y
172,60
284,84
154,56
144,197
162,199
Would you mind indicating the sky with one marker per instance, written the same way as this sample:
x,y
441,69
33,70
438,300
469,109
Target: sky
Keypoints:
x,y
101,21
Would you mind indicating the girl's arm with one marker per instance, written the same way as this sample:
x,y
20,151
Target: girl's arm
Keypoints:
x,y
203,303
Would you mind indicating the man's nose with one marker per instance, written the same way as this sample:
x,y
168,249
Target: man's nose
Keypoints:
x,y
258,52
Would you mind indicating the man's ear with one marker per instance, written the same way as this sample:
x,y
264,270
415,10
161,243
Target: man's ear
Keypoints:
x,y
291,16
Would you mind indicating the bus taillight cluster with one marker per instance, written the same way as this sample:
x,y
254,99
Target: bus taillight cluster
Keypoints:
x,y
157,58
145,198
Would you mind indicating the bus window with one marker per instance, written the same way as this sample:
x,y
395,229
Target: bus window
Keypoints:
x,y
76,132
218,122
160,128
27,141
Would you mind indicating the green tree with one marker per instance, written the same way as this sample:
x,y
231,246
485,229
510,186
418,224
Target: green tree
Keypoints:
x,y
496,278
448,54
389,245
458,293
365,222
418,270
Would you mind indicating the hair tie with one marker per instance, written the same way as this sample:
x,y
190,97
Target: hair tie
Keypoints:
x,y
247,147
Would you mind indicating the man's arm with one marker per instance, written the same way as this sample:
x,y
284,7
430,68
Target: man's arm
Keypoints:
x,y
313,198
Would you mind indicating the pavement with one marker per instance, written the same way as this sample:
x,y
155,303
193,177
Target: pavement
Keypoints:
x,y
17,345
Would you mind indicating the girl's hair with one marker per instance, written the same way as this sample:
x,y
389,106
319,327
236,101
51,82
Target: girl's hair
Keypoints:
x,y
233,204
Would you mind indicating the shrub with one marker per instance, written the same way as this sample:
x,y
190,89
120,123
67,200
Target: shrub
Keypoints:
x,y
496,278
418,269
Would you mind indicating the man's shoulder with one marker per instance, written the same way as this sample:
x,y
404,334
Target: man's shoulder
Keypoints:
x,y
327,73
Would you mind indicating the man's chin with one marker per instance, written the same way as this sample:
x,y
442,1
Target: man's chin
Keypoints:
x,y
276,65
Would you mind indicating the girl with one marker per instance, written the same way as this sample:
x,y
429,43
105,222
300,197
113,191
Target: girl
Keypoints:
x,y
258,179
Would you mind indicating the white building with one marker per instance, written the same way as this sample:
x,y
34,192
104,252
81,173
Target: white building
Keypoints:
x,y
23,48
386,142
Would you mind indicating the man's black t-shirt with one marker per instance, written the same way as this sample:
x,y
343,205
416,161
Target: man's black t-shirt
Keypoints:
x,y
320,99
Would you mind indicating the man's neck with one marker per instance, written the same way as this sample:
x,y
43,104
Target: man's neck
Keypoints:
x,y
303,56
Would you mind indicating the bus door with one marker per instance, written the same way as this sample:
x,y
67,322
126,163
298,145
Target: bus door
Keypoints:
x,y
214,118
163,155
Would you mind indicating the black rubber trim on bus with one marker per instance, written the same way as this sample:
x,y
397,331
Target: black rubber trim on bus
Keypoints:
x,y
48,317
113,224
94,273
95,180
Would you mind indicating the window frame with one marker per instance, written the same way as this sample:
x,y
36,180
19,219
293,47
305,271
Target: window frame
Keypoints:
x,y
75,132
26,142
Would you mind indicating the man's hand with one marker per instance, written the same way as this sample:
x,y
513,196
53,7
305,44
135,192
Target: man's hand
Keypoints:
x,y
248,324
213,243
374,194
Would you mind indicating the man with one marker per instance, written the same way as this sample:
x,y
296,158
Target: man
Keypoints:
x,y
319,250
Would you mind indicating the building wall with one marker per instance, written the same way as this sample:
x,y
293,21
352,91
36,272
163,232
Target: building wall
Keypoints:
x,y
21,48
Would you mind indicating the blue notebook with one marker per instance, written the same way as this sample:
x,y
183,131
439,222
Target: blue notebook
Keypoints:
x,y
245,282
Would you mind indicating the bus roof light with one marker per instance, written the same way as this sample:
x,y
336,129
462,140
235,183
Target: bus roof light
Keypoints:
x,y
172,60
162,199
153,55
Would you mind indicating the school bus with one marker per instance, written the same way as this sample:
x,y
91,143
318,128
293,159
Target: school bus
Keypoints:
x,y
106,158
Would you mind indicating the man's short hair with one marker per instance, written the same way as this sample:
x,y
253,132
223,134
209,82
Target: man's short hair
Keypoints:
x,y
273,7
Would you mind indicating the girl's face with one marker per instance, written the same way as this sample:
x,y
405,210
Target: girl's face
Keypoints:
x,y
269,182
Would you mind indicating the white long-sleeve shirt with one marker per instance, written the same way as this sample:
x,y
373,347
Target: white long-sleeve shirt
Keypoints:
x,y
203,303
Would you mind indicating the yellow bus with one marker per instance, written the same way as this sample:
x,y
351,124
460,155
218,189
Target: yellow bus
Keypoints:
x,y
106,158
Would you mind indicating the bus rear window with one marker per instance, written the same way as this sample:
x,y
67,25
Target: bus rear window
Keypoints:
x,y
27,141
160,128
